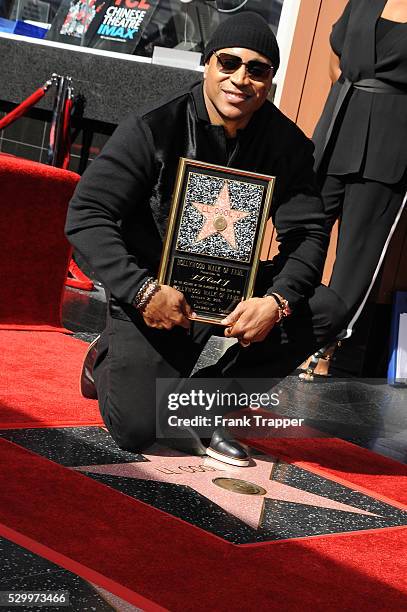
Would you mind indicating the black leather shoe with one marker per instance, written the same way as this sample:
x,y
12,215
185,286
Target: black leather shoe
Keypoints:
x,y
87,383
224,447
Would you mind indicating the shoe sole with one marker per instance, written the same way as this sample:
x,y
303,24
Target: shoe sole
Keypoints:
x,y
225,459
82,389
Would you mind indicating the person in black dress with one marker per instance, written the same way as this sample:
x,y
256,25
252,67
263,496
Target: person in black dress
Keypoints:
x,y
361,142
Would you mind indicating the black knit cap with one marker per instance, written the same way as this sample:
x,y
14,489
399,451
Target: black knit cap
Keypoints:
x,y
249,31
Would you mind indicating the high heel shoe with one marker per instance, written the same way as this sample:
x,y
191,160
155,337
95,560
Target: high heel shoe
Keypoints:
x,y
318,364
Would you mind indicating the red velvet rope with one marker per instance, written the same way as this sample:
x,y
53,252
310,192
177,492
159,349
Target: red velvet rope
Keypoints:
x,y
22,108
66,133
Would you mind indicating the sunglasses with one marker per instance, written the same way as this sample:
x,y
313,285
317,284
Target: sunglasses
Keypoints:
x,y
228,64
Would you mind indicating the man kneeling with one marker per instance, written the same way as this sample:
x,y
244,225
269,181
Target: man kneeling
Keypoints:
x,y
117,220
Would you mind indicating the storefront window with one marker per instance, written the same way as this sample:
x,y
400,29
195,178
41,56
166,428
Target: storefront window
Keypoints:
x,y
128,26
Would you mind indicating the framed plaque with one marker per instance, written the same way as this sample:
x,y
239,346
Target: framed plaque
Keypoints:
x,y
214,236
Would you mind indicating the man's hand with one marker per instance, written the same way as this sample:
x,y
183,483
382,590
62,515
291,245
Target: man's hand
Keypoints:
x,y
166,309
252,320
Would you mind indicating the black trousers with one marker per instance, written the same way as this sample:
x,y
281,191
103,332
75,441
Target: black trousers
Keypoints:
x,y
131,356
368,210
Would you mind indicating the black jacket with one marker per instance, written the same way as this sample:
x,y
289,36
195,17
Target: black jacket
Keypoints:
x,y
371,131
118,214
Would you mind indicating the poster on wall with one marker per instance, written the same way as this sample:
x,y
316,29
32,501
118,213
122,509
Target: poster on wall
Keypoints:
x,y
120,24
112,25
72,21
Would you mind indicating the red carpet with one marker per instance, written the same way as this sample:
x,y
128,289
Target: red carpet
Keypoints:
x,y
141,553
344,461
34,252
39,384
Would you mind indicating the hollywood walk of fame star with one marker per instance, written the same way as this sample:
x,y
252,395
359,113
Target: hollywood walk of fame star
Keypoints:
x,y
199,474
220,217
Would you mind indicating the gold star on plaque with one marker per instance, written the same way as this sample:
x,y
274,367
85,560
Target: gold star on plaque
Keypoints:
x,y
220,218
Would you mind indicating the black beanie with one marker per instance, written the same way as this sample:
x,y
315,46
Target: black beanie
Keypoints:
x,y
249,31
